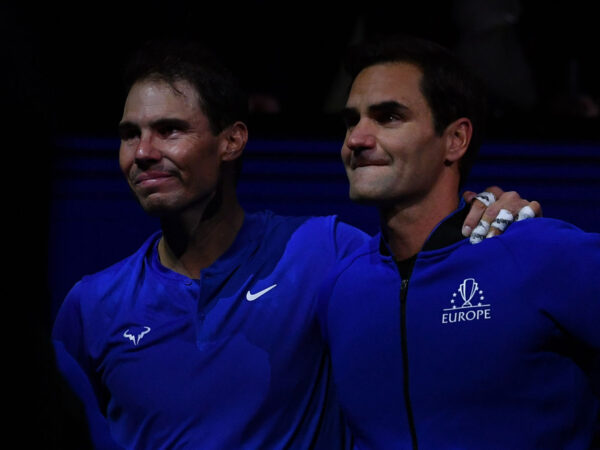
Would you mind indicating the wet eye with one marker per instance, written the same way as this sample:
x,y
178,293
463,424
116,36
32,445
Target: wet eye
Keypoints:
x,y
169,128
388,117
166,131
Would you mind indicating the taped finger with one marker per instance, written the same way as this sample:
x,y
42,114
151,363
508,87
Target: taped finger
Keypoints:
x,y
526,212
485,197
480,232
503,220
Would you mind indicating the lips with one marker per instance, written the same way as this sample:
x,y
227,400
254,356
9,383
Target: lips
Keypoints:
x,y
151,177
367,162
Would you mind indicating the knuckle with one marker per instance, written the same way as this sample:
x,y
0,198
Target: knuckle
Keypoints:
x,y
493,210
512,201
537,208
469,196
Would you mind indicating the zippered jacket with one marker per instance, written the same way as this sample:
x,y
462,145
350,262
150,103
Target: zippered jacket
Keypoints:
x,y
487,346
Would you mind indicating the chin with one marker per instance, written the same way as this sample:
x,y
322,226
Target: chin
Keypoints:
x,y
158,207
157,210
365,198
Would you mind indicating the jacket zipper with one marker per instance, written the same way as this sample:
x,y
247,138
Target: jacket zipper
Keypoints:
x,y
403,333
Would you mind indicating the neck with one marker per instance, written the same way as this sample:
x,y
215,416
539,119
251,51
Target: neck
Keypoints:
x,y
406,225
195,239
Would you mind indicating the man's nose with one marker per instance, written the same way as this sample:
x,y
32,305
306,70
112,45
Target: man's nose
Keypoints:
x,y
361,136
146,149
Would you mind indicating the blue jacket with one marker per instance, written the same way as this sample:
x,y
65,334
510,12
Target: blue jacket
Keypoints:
x,y
487,346
234,360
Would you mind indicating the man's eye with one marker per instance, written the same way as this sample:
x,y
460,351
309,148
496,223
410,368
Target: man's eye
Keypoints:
x,y
388,117
166,131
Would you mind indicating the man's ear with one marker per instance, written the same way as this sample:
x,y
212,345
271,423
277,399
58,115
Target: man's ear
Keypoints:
x,y
458,137
235,137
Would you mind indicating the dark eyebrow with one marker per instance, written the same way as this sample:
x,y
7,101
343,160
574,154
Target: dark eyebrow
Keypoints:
x,y
389,106
168,122
125,128
179,124
384,107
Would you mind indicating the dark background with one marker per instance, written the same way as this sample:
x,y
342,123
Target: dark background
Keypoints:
x,y
67,212
540,59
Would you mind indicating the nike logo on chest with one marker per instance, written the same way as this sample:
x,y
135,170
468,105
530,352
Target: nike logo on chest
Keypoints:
x,y
251,297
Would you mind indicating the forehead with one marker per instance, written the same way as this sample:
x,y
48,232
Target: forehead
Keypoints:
x,y
151,99
395,81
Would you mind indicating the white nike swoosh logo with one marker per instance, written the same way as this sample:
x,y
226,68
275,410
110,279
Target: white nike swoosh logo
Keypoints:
x,y
251,297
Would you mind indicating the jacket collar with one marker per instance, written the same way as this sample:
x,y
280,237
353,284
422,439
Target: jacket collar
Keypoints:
x,y
446,233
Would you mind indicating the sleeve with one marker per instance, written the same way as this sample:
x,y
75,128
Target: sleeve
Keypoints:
x,y
562,264
323,295
347,238
577,306
575,285
81,386
73,363
68,327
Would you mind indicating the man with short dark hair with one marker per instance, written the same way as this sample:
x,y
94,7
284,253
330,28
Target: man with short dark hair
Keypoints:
x,y
436,343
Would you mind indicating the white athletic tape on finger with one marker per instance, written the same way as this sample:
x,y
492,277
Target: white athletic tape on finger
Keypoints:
x,y
480,232
485,197
503,220
525,213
